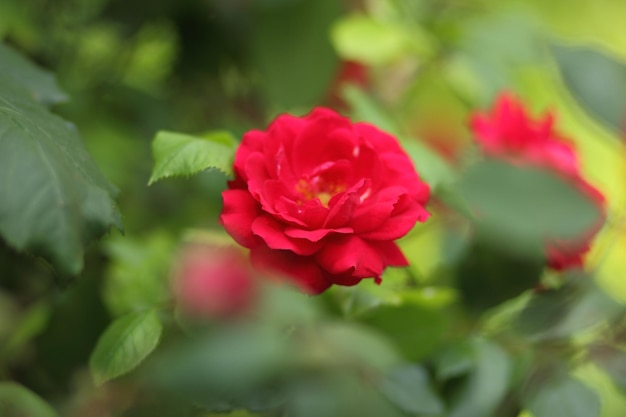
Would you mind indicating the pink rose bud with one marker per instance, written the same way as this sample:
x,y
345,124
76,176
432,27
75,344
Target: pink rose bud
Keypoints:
x,y
214,282
321,199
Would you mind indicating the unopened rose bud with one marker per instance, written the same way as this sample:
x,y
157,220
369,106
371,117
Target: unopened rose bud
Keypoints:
x,y
214,282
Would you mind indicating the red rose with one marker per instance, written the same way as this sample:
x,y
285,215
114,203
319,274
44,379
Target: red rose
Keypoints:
x,y
509,133
322,199
214,282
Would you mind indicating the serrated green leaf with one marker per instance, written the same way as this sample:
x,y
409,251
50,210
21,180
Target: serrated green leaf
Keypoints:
x,y
563,397
125,344
177,154
597,81
409,389
40,84
18,401
53,199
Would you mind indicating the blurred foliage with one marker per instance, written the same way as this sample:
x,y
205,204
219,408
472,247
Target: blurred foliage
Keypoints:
x,y
475,326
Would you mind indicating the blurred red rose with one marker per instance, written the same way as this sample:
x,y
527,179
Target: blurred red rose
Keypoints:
x,y
214,282
322,199
509,133
349,73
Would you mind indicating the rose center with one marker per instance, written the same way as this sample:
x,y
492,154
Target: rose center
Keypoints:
x,y
320,188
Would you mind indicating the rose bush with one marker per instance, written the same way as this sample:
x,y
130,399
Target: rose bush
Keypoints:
x,y
321,199
509,133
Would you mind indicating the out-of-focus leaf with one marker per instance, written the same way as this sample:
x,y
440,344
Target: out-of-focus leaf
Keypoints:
x,y
409,389
292,53
337,395
522,207
222,366
563,396
366,109
125,344
415,327
341,343
18,401
40,84
53,199
486,384
176,154
597,81
559,313
494,46
487,276
33,322
456,360
613,361
361,38
137,276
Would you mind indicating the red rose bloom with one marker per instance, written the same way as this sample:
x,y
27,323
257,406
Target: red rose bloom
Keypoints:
x,y
509,133
322,199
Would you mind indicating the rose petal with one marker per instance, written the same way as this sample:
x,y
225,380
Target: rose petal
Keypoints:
x,y
273,234
317,234
351,254
239,212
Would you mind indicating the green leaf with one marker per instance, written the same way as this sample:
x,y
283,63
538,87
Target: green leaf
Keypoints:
x,y
486,384
410,390
178,154
454,361
613,361
53,199
361,38
137,276
291,52
522,207
124,345
597,81
563,397
217,367
415,327
41,84
560,313
18,401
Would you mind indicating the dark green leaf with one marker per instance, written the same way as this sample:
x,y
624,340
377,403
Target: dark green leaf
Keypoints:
x,y
597,81
53,199
487,383
337,395
560,313
18,401
414,328
409,389
125,344
292,51
176,154
563,397
223,366
455,360
522,208
39,83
